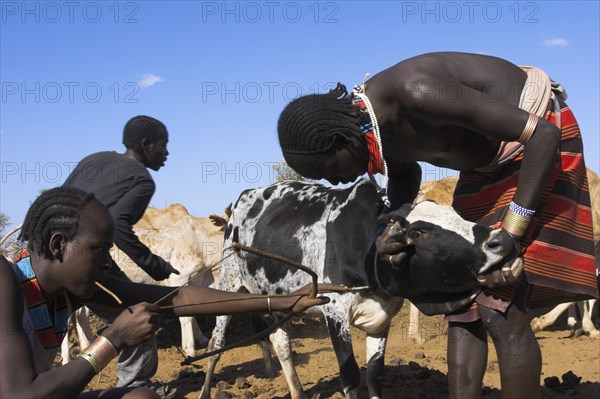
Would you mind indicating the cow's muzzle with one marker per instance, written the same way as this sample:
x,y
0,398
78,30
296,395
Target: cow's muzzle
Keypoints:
x,y
499,249
500,242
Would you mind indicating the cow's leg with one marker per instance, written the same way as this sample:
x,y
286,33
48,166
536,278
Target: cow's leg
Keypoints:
x,y
573,316
198,336
265,347
546,320
217,341
414,332
259,324
339,332
376,344
187,335
587,323
519,355
281,342
467,359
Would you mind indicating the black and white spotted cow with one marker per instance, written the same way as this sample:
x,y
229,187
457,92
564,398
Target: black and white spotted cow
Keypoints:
x,y
332,232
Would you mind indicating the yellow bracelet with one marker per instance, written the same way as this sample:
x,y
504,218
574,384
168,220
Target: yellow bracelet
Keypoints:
x,y
515,224
529,129
99,353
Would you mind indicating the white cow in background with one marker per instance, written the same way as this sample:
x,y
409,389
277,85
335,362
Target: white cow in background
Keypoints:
x,y
189,243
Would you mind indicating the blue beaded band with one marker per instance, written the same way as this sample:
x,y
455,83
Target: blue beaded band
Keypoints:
x,y
521,211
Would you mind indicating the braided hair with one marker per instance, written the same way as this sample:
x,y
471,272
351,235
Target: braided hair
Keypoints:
x,y
315,126
318,123
55,210
142,127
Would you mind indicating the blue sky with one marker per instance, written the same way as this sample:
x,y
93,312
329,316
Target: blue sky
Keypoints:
x,y
219,73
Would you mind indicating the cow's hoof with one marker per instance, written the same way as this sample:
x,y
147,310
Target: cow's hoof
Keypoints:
x,y
189,352
204,394
594,334
536,325
575,332
351,393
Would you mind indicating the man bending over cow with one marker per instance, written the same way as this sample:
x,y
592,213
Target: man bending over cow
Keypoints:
x,y
69,234
519,151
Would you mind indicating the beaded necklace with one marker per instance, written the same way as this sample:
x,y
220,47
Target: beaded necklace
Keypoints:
x,y
370,129
49,332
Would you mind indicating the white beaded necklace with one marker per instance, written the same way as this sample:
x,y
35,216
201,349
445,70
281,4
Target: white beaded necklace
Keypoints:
x,y
359,91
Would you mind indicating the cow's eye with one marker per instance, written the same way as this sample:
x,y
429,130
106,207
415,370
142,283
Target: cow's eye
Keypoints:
x,y
414,234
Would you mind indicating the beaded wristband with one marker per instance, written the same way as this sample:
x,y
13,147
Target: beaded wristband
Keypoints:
x,y
99,353
529,129
521,210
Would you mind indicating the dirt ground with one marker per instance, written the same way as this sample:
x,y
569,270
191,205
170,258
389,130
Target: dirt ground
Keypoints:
x,y
412,370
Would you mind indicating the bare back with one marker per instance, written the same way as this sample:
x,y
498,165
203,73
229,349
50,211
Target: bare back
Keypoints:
x,y
424,105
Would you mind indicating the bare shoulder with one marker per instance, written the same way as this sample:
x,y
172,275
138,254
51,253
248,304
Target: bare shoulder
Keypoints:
x,y
446,67
7,274
402,80
12,301
424,80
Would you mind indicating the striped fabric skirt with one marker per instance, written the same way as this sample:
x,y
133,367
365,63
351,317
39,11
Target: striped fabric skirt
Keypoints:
x,y
558,246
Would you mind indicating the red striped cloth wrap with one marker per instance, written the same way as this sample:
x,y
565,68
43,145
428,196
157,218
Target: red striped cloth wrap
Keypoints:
x,y
559,261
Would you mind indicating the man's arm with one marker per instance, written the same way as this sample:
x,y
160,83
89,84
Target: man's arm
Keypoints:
x,y
128,211
189,301
475,111
18,378
404,187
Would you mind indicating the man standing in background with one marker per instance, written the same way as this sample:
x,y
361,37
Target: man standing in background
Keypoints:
x,y
124,185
